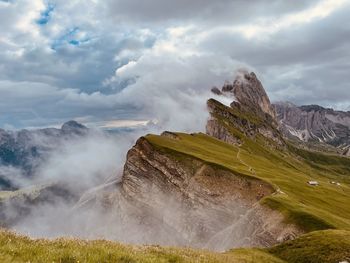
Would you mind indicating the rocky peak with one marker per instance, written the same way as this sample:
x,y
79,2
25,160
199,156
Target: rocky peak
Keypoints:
x,y
73,126
251,113
249,93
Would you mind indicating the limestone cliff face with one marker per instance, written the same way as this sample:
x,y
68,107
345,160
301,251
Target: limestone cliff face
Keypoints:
x,y
251,113
173,199
249,93
314,124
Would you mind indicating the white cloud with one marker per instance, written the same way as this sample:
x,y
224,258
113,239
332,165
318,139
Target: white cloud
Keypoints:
x,y
261,27
100,59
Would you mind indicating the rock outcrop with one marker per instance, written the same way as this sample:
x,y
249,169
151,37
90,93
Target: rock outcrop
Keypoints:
x,y
251,113
314,123
173,199
249,93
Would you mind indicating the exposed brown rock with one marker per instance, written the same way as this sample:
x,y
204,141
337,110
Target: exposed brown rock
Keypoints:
x,y
175,199
315,124
251,114
249,93
180,200
215,129
226,119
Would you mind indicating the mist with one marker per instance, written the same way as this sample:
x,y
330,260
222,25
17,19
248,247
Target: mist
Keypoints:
x,y
79,172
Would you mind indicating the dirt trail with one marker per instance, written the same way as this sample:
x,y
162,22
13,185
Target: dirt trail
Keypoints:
x,y
250,168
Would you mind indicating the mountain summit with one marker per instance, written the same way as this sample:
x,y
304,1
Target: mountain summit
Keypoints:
x,y
251,112
249,93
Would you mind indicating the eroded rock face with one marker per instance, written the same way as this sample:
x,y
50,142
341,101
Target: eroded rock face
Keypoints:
x,y
314,124
224,119
251,113
347,152
173,199
215,129
249,93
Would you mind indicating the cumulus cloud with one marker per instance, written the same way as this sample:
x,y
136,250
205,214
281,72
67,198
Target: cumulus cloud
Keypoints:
x,y
173,88
66,54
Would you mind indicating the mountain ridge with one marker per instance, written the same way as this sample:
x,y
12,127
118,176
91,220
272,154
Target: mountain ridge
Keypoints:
x,y
315,124
243,184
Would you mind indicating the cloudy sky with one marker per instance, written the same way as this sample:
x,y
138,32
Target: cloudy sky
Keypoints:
x,y
128,61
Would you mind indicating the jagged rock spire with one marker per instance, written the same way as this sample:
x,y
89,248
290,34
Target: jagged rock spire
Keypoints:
x,y
249,93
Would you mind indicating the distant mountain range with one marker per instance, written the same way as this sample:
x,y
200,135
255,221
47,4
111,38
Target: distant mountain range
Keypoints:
x,y
23,151
315,125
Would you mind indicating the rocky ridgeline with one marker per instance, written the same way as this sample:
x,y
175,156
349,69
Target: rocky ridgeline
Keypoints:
x,y
249,93
169,198
175,199
251,112
315,124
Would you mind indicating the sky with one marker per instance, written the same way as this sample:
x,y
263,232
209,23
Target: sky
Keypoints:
x,y
125,62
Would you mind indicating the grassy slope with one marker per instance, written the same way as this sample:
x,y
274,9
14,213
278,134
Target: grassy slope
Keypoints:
x,y
312,208
320,207
15,248
327,246
318,246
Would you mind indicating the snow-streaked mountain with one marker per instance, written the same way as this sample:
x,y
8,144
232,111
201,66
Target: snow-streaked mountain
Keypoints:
x,y
313,123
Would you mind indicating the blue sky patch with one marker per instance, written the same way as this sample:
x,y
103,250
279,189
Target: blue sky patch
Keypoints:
x,y
70,38
45,15
74,42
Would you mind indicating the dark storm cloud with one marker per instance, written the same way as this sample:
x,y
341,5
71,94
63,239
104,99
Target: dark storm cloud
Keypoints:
x,y
204,11
307,63
94,60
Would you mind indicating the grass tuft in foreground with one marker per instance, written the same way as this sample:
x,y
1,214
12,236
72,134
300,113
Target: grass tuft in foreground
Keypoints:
x,y
327,246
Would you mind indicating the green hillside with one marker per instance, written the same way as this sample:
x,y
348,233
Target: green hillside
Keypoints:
x,y
288,171
325,206
322,246
323,211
